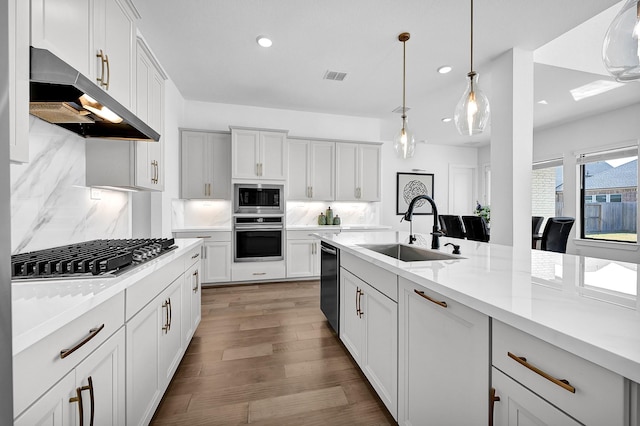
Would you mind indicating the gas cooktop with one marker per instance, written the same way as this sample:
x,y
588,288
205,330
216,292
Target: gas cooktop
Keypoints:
x,y
96,258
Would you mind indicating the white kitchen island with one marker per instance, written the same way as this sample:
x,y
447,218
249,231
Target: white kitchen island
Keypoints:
x,y
551,307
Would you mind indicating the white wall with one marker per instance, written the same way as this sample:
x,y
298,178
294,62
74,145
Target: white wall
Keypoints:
x,y
590,133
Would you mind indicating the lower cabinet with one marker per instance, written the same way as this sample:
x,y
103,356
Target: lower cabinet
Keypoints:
x,y
191,296
518,406
303,256
95,389
443,359
216,255
154,349
369,330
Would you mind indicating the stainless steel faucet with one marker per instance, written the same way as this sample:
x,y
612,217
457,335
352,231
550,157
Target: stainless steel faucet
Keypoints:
x,y
436,234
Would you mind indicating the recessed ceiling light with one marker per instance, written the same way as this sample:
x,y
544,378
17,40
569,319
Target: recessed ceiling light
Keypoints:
x,y
594,88
446,120
444,69
543,102
264,41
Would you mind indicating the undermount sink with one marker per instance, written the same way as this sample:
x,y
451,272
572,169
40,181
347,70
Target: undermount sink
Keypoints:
x,y
408,253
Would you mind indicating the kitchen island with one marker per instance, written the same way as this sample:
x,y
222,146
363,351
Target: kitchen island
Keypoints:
x,y
551,299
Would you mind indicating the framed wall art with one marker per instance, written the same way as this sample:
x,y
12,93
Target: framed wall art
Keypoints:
x,y
410,185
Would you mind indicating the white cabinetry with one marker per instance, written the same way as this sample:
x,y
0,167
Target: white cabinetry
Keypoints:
x,y
216,255
358,171
444,359
64,28
369,330
113,49
204,164
149,156
18,81
547,376
303,255
191,297
258,154
311,170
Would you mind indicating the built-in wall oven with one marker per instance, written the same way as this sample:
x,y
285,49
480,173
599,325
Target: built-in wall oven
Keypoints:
x,y
258,238
258,198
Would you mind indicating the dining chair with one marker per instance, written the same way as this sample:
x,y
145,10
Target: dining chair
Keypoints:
x,y
476,228
452,225
556,233
536,222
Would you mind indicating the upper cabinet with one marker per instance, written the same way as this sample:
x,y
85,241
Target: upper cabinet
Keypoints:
x,y
311,170
113,49
258,154
149,156
19,80
358,171
204,165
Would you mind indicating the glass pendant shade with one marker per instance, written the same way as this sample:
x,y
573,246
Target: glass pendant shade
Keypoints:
x,y
404,142
472,111
621,48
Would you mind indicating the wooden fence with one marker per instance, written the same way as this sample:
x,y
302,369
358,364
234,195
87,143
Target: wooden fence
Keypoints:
x,y
610,218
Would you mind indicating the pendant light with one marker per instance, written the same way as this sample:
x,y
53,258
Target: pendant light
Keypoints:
x,y
621,48
472,112
404,142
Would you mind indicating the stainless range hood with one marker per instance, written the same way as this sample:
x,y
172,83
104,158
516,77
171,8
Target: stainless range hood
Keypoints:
x,y
61,95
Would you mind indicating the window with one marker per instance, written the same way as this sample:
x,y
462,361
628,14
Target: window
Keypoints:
x,y
609,187
547,198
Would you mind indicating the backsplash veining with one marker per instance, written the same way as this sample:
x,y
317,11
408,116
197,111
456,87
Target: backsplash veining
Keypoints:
x,y
50,205
200,213
306,213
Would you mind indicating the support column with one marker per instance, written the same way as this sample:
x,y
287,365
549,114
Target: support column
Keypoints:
x,y
511,148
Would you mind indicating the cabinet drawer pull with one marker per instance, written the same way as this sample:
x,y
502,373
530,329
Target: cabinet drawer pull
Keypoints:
x,y
564,384
430,299
197,254
259,273
92,333
78,399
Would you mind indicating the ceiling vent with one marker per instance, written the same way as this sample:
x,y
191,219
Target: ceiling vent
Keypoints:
x,y
399,109
334,75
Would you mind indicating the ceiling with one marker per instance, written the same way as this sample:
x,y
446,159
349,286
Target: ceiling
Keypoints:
x,y
209,49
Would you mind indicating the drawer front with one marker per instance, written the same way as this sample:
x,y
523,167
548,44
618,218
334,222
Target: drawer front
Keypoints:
x,y
142,292
40,366
599,396
300,235
206,236
383,281
192,257
258,271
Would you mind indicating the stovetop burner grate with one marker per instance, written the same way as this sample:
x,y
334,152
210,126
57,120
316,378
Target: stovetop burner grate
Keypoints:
x,y
90,258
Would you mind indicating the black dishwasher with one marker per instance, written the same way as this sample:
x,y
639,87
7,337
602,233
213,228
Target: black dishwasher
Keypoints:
x,y
330,284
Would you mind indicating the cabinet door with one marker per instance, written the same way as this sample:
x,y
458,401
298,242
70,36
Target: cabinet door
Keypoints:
x,y
245,153
369,172
114,34
346,171
519,406
219,159
301,258
143,368
216,262
321,170
171,337
19,80
380,354
273,155
351,326
193,165
298,187
444,351
103,373
63,27
53,408
190,303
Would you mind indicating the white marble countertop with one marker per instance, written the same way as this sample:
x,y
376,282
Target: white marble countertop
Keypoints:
x,y
41,307
565,300
334,228
203,229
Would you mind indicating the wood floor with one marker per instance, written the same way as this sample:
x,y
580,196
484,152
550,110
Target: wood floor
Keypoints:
x,y
265,355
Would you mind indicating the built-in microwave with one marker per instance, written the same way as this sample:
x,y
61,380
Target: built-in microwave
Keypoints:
x,y
258,198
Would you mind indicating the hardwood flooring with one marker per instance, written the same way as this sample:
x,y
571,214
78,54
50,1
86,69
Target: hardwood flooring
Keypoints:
x,y
265,355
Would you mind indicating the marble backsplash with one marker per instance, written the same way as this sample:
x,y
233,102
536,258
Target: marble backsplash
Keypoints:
x,y
306,213
50,205
200,213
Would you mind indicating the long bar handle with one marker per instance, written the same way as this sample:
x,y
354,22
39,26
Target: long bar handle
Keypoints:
x,y
492,400
358,301
92,333
328,250
197,275
170,314
106,86
165,327
101,78
78,399
430,299
564,384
